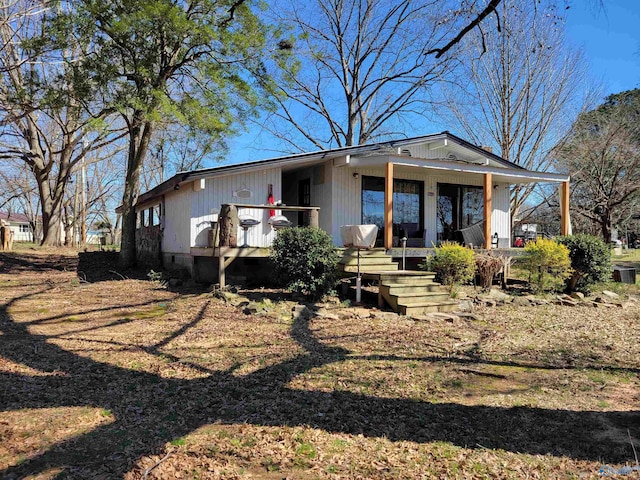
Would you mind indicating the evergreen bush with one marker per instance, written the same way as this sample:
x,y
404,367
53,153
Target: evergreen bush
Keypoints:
x,y
305,261
590,261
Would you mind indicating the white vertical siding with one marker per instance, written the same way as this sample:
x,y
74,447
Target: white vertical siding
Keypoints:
x,y
188,213
501,216
321,192
177,208
219,190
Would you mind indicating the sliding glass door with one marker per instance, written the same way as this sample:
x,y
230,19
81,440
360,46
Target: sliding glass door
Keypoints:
x,y
408,206
459,206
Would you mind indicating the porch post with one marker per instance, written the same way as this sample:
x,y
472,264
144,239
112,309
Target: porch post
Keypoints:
x,y
388,206
564,208
488,208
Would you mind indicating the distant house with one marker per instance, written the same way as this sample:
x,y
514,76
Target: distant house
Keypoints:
x,y
19,225
427,189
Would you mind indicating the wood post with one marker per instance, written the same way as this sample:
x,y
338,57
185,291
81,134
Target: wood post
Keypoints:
x,y
313,218
488,208
564,208
388,206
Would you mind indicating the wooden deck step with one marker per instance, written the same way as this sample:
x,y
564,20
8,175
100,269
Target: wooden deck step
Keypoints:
x,y
428,307
423,285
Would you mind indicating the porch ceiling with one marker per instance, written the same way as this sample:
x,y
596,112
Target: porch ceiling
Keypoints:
x,y
500,174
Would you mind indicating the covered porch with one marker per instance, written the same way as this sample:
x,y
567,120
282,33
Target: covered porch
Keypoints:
x,y
433,200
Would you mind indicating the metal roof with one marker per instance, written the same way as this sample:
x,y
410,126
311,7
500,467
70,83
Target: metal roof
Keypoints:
x,y
301,158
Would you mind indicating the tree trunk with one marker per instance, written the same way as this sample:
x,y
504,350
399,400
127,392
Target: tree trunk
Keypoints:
x,y
605,226
139,137
228,226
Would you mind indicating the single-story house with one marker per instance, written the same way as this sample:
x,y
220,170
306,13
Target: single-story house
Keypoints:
x,y
19,225
426,189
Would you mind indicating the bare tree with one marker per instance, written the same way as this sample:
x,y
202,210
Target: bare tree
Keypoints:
x,y
44,108
520,86
602,153
364,66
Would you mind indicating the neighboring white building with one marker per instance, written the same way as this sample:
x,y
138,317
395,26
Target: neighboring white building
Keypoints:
x,y
19,225
441,184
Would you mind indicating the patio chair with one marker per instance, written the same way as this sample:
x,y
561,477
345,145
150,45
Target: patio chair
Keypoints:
x,y
473,235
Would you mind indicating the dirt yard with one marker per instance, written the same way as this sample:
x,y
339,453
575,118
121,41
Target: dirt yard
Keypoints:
x,y
104,377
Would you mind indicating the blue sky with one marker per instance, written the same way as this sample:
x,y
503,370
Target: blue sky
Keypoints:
x,y
611,40
609,35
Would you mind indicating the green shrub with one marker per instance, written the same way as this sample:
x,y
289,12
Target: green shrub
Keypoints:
x,y
548,264
453,264
590,261
305,261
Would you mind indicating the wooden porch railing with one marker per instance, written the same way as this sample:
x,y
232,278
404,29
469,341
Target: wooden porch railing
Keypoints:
x,y
228,219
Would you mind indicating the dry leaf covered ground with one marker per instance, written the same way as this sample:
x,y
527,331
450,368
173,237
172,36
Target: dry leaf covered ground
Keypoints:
x,y
121,378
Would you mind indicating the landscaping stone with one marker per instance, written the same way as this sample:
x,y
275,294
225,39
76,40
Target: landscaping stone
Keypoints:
x,y
466,305
447,317
522,301
253,308
566,301
600,299
384,315
577,295
360,312
467,315
598,304
301,312
422,318
610,294
500,296
323,313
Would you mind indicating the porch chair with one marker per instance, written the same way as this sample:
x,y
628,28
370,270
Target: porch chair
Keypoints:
x,y
472,235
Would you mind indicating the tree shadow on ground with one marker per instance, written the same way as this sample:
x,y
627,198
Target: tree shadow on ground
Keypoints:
x,y
149,410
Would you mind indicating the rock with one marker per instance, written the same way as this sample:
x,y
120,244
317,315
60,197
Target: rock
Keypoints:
x,y
227,297
324,313
466,305
602,300
598,304
301,312
384,315
467,316
426,317
577,295
610,294
489,302
522,301
566,301
253,308
360,312
499,296
447,317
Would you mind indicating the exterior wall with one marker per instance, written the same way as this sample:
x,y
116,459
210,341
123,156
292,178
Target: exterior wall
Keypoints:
x,y
347,198
176,221
19,236
321,189
188,214
219,190
148,244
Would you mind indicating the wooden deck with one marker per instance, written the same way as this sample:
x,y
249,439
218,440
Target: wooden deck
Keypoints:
x,y
227,255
